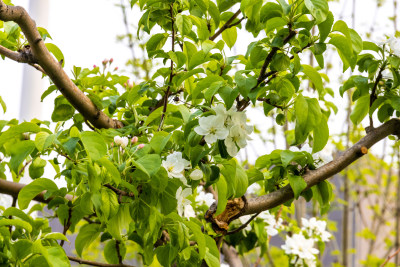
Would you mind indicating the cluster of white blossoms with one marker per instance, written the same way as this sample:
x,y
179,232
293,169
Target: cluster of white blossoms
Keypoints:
x,y
320,158
272,226
394,45
121,141
301,246
175,165
228,125
204,198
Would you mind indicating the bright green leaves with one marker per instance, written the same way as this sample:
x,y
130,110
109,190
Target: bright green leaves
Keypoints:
x,y
360,110
155,43
16,130
322,192
309,118
315,77
31,190
63,110
297,184
149,164
36,169
15,222
94,144
235,177
319,9
184,24
245,84
87,234
19,152
349,44
230,36
56,52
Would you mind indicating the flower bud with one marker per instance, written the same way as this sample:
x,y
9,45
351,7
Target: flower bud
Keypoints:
x,y
104,62
116,68
140,146
134,139
196,175
94,66
111,60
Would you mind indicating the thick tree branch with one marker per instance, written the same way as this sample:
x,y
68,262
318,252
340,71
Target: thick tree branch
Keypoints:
x,y
94,263
38,53
231,256
266,202
12,189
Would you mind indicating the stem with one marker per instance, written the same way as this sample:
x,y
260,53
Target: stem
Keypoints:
x,y
243,225
171,75
67,225
373,95
94,263
226,25
397,240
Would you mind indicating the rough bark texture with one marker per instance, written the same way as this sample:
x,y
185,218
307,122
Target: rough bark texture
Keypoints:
x,y
38,53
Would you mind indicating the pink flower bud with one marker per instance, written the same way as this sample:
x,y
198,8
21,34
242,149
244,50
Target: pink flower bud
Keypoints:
x,y
140,146
94,66
125,85
111,60
112,144
134,139
116,68
105,61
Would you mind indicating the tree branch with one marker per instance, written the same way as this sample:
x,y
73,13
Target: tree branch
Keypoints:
x,y
12,189
93,263
313,177
231,256
226,25
41,55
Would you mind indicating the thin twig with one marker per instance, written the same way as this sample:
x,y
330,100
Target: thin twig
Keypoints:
x,y
119,191
390,257
243,225
226,25
373,95
94,263
171,75
24,167
67,225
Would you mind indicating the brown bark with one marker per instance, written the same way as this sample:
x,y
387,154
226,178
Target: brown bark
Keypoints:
x,y
39,54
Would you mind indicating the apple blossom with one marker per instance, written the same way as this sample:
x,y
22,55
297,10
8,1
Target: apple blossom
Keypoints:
x,y
196,175
212,127
121,141
183,205
300,246
315,227
175,166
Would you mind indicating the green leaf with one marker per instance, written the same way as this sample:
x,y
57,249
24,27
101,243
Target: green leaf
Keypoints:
x,y
222,190
156,42
184,24
297,183
314,76
321,134
214,13
149,164
3,105
12,211
111,169
32,189
36,169
344,47
325,27
56,236
87,234
16,222
111,253
360,110
199,237
274,23
212,252
57,257
319,9
19,152
287,156
230,36
109,203
94,144
56,52
13,131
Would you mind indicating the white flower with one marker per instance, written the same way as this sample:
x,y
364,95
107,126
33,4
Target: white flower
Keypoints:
x,y
121,141
183,205
394,45
300,246
315,227
273,225
175,166
204,198
253,188
235,140
244,219
196,174
213,128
